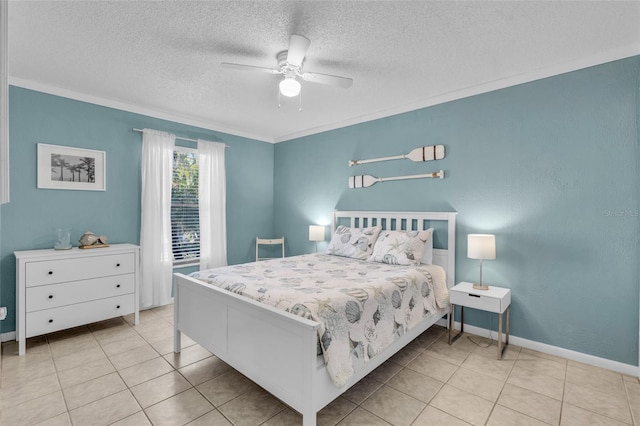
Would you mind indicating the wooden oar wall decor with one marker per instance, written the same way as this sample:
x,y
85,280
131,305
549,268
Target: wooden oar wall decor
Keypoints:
x,y
424,153
365,181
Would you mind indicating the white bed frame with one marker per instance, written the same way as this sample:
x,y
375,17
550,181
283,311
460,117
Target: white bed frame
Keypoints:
x,y
276,349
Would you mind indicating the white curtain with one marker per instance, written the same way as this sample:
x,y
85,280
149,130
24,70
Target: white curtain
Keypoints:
x,y
213,206
155,230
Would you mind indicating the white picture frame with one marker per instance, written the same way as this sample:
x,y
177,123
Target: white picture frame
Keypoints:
x,y
64,167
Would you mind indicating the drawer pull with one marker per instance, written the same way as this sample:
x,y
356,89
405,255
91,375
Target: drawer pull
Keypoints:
x,y
51,296
50,272
118,307
475,295
50,321
117,264
118,286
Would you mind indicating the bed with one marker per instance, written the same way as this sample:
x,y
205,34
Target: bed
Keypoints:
x,y
278,349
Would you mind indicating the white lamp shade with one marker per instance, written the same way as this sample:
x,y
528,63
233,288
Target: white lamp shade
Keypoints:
x,y
290,87
316,233
481,246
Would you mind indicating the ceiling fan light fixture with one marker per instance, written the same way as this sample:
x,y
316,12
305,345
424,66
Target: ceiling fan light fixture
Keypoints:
x,y
290,87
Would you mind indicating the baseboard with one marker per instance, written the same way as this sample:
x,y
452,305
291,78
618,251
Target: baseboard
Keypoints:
x,y
628,369
7,337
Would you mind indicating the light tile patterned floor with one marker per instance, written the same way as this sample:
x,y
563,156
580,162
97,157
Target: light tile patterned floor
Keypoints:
x,y
112,373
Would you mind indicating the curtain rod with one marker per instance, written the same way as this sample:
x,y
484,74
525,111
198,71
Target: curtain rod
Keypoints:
x,y
177,137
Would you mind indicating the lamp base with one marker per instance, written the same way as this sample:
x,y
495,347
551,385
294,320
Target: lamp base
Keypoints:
x,y
477,286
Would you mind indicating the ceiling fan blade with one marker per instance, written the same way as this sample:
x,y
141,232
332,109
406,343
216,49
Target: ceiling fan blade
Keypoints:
x,y
298,46
249,68
331,80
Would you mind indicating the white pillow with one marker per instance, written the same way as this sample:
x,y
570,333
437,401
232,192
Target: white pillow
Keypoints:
x,y
400,247
356,243
427,255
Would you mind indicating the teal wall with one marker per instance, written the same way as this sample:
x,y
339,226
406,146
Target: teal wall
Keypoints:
x,y
551,167
30,219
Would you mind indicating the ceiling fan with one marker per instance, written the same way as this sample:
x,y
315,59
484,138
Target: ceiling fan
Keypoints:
x,y
290,64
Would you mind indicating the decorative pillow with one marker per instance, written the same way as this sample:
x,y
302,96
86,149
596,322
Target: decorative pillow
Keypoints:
x,y
427,255
356,243
400,247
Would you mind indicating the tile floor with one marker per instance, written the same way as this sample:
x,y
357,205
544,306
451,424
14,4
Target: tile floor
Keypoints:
x,y
112,373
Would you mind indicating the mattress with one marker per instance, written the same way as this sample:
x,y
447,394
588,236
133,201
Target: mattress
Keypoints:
x,y
362,307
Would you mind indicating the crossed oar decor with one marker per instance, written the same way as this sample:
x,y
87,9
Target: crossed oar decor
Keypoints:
x,y
425,153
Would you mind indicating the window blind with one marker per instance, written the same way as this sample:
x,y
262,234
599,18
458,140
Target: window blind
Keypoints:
x,y
185,222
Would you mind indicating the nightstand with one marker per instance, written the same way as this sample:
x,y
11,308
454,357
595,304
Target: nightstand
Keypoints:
x,y
496,299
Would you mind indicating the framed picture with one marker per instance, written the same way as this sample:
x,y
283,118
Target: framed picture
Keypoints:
x,y
64,167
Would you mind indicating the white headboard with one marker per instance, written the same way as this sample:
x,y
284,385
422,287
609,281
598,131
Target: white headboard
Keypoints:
x,y
416,221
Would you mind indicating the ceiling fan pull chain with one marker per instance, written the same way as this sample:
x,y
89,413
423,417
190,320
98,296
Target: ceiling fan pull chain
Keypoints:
x,y
279,99
300,102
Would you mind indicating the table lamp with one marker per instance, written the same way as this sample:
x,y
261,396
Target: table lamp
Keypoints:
x,y
482,247
316,233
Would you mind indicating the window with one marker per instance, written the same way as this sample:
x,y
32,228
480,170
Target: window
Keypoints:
x,y
185,221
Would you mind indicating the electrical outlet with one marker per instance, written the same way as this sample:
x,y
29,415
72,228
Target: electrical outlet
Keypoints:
x,y
3,313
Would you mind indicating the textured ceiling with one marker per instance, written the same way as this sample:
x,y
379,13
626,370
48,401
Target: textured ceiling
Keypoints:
x,y
162,58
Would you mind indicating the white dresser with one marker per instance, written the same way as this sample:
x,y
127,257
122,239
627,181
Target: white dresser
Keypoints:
x,y
58,289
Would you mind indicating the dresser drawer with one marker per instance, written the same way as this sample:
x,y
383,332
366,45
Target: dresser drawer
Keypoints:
x,y
55,295
78,268
49,320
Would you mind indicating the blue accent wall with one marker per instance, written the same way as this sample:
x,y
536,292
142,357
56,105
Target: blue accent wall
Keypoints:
x,y
551,167
30,219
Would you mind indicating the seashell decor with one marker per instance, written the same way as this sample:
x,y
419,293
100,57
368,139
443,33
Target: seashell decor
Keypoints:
x,y
89,239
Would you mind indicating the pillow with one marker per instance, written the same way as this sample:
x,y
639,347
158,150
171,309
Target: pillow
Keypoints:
x,y
400,247
356,243
427,255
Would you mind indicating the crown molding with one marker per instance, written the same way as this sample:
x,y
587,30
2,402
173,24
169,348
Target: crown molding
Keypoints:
x,y
137,109
539,74
566,67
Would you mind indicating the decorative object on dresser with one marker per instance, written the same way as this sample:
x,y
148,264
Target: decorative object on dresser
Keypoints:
x,y
482,247
365,181
91,240
63,239
424,153
62,289
64,167
316,233
496,299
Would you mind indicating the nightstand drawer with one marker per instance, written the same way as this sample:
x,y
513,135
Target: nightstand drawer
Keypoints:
x,y
475,301
496,299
